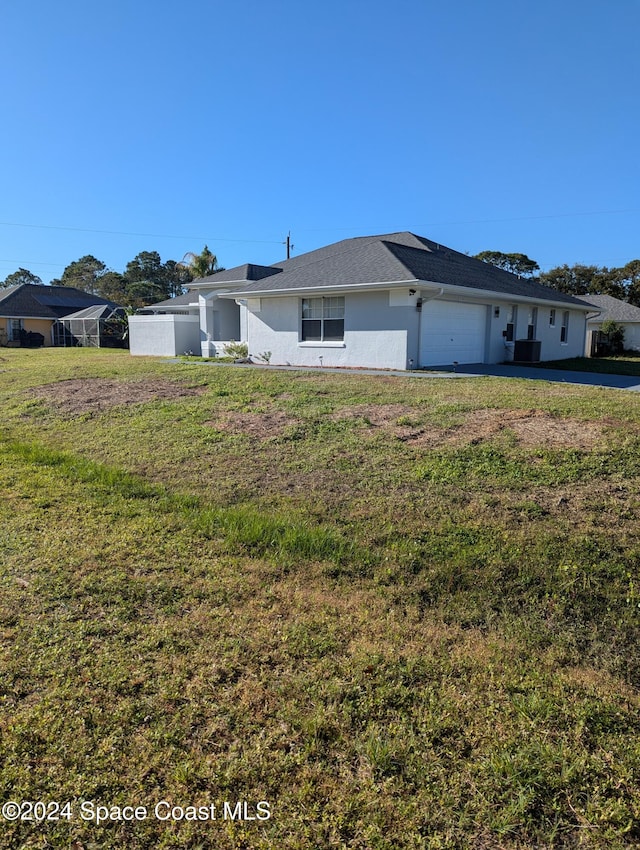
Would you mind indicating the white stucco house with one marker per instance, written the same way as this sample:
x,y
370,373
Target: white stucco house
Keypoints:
x,y
396,301
605,308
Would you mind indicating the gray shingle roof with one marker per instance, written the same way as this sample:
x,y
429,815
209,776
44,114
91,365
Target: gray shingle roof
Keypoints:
x,y
243,273
613,308
29,300
231,278
444,265
320,254
364,263
179,300
394,258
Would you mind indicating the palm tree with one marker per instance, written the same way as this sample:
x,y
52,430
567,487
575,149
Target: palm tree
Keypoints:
x,y
202,264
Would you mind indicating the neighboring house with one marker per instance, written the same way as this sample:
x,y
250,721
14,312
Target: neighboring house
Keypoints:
x,y
396,301
606,307
32,309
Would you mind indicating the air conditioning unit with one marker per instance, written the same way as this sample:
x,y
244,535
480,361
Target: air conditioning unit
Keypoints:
x,y
527,351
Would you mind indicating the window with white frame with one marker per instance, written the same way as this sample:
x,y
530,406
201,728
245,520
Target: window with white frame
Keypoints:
x,y
552,318
564,327
512,317
532,322
15,326
323,319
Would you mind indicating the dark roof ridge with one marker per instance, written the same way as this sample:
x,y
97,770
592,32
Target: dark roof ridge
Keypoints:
x,y
31,300
4,293
251,272
324,253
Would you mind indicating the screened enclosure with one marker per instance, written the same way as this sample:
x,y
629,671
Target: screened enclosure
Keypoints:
x,y
100,326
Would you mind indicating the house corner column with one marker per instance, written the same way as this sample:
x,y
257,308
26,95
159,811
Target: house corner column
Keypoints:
x,y
206,325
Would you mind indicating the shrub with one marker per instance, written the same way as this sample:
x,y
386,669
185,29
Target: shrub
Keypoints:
x,y
615,332
237,349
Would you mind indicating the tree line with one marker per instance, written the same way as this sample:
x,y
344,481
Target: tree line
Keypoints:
x,y
145,280
621,282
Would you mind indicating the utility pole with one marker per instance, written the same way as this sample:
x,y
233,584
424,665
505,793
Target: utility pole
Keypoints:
x,y
290,247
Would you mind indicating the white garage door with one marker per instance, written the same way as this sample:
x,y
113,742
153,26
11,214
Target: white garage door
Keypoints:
x,y
452,332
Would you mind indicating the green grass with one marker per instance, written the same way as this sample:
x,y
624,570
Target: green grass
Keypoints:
x,y
334,593
623,364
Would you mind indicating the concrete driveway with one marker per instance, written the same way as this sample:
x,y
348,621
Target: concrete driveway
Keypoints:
x,y
534,373
474,370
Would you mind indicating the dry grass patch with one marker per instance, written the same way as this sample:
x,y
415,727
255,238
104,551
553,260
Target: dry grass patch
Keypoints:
x,y
530,427
77,396
271,423
600,683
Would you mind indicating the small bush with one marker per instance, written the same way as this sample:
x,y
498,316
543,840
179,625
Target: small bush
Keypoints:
x,y
237,349
615,333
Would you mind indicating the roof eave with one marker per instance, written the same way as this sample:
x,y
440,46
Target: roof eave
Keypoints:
x,y
311,290
28,316
222,284
494,295
447,288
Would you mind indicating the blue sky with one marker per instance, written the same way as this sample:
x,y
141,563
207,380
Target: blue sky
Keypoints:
x,y
503,125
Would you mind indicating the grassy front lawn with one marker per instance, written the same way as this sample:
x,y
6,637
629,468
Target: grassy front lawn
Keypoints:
x,y
618,365
403,613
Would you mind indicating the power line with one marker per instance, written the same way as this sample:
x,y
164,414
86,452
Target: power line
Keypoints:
x,y
316,230
24,263
128,233
533,217
415,226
